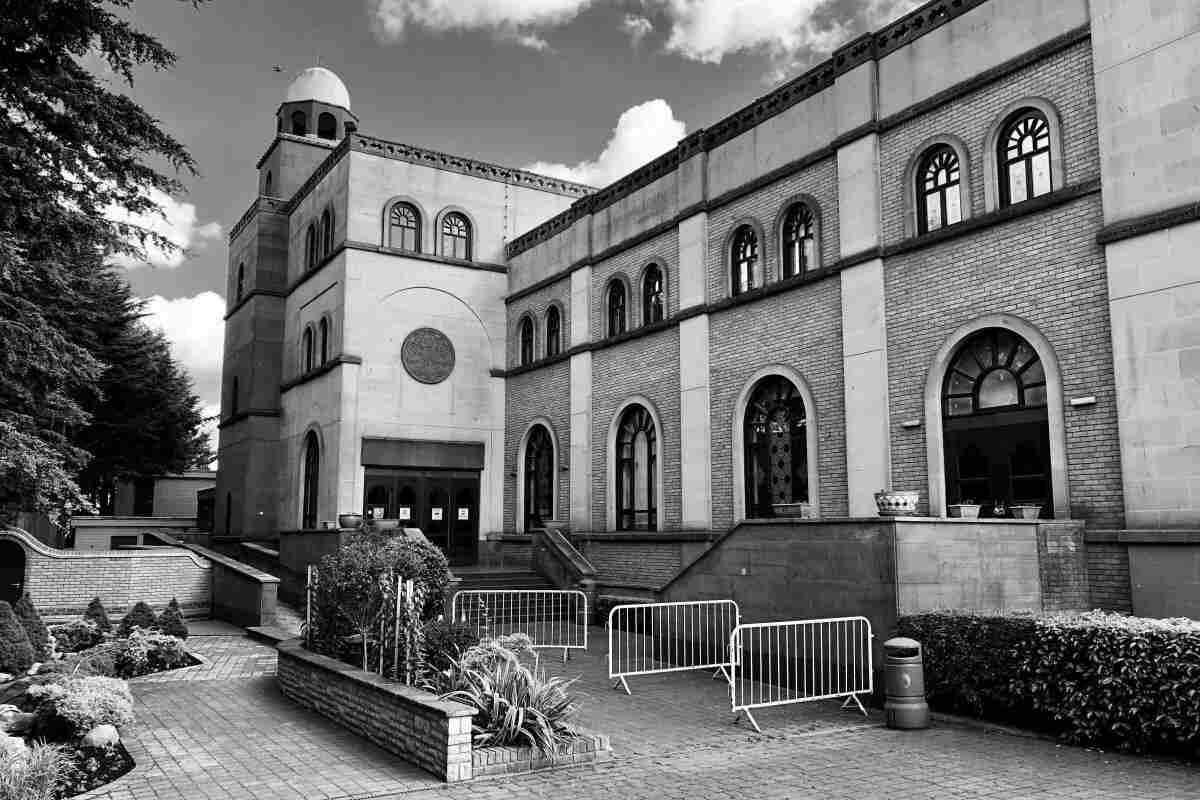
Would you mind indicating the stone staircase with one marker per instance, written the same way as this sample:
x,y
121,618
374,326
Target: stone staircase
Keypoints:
x,y
484,578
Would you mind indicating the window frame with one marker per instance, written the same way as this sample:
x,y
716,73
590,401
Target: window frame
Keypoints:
x,y
326,246
553,337
992,193
321,118
310,247
323,336
467,238
299,119
1005,162
390,227
793,206
653,269
611,321
647,423
240,285
527,352
310,480
923,193
754,261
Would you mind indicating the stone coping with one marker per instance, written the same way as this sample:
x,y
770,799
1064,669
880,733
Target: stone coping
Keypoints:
x,y
587,748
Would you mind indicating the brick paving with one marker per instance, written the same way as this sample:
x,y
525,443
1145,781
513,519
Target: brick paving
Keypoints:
x,y
221,730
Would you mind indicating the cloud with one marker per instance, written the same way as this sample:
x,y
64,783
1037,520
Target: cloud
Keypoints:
x,y
643,133
178,223
520,21
637,27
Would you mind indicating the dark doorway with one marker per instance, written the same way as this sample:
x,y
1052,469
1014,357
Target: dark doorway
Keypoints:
x,y
776,441
539,478
444,504
12,571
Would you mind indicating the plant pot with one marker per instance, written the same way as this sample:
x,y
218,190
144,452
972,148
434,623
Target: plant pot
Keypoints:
x,y
350,520
897,504
795,510
964,510
1026,511
385,524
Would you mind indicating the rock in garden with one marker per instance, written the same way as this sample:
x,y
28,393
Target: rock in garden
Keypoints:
x,y
101,736
13,746
13,720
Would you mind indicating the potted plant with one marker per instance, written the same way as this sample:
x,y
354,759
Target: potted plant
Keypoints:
x,y
967,509
350,520
1026,510
893,503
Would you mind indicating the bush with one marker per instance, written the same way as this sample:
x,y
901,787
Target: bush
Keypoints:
x,y
96,613
70,707
76,635
37,776
445,643
149,651
140,616
1097,679
35,629
16,654
171,621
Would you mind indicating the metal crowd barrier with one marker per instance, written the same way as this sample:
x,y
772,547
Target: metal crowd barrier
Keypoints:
x,y
653,638
777,663
552,618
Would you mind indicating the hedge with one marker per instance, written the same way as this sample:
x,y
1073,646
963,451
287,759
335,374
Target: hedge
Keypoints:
x,y
1099,679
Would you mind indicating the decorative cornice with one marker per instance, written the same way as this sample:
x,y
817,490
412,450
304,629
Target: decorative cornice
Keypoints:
x,y
253,293
914,25
367,247
1149,223
233,419
317,372
268,205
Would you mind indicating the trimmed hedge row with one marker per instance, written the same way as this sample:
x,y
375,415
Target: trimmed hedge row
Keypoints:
x,y
1098,679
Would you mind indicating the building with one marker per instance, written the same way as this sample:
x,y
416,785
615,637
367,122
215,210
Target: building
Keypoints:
x,y
957,257
158,505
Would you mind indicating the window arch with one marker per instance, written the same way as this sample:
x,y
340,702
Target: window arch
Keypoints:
x,y
636,470
327,125
615,304
323,329
744,260
299,123
456,236
799,240
312,473
241,282
326,232
553,331
404,227
539,470
306,350
526,341
994,370
653,295
310,247
776,440
1023,153
939,189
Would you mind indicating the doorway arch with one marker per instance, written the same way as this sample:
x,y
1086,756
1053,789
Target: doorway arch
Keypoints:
x,y
12,570
538,477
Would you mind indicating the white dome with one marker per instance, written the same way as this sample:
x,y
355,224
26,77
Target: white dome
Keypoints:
x,y
318,83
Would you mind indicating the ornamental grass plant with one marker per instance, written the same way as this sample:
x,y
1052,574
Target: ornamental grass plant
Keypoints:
x,y
37,775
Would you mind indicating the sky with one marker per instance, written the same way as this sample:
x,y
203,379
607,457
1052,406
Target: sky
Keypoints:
x,y
581,89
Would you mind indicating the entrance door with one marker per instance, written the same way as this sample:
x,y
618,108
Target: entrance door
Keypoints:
x,y
12,571
444,504
998,466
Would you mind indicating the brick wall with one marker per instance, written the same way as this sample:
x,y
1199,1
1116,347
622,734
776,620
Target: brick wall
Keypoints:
x,y
1108,576
1062,563
545,393
535,305
415,725
662,250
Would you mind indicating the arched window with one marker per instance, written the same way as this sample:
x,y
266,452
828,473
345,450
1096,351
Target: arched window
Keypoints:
x,y
233,396
995,427
312,473
616,308
939,189
267,185
744,259
404,228
776,441
323,329
799,241
1024,157
553,331
326,126
526,341
652,295
539,478
326,232
307,349
351,126
228,511
310,247
299,123
456,236
241,282
637,453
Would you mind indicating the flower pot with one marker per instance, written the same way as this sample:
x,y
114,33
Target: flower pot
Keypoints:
x,y
385,524
349,520
1026,511
797,510
897,504
964,510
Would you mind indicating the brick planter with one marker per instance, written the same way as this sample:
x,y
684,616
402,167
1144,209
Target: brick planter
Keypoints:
x,y
587,749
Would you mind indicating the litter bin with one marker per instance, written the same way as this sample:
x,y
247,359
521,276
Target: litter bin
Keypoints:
x,y
904,684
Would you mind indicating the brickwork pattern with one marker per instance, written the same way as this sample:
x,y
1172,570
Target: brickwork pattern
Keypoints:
x,y
1064,80
801,329
1046,269
631,264
542,393
587,749
1108,576
641,563
647,366
765,207
535,305
1062,564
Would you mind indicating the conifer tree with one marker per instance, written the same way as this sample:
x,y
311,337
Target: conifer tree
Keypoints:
x,y
140,616
16,654
96,613
171,621
35,629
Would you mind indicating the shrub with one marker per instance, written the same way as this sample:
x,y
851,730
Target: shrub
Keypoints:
x,y
35,629
76,635
140,616
1098,679
73,706
96,613
100,660
149,651
171,621
445,643
36,776
16,654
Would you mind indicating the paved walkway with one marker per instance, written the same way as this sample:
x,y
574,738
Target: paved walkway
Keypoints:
x,y
221,730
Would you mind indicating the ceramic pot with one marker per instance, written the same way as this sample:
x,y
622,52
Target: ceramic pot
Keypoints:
x,y
897,504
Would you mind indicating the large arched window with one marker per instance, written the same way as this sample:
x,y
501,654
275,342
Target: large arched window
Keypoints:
x,y
637,454
456,236
776,442
939,189
299,123
526,341
995,425
615,303
326,232
241,282
1024,157
310,247
326,126
744,260
323,330
799,241
312,473
653,304
404,228
553,331
306,349
539,478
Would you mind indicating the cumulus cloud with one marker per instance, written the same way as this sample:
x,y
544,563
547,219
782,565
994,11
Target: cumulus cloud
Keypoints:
x,y
178,223
643,132
637,28
520,21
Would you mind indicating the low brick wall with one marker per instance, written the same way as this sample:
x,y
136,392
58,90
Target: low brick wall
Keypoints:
x,y
415,725
587,749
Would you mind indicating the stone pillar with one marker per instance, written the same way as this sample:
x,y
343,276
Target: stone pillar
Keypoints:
x,y
581,404
695,410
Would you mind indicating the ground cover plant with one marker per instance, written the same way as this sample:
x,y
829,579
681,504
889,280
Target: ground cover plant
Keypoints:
x,y
1098,678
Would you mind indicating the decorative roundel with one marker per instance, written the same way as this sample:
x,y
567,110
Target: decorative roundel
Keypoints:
x,y
427,355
